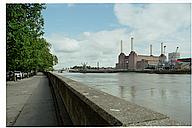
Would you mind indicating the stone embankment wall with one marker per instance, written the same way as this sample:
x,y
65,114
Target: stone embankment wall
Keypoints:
x,y
90,107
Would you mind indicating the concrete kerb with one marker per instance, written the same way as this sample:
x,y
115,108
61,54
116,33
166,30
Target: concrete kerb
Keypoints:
x,y
110,110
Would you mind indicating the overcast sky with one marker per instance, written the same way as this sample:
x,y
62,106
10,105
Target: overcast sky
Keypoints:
x,y
92,33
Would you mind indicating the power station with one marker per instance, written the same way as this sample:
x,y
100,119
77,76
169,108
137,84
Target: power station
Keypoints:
x,y
139,62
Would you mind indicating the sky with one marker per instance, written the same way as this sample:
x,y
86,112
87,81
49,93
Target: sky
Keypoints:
x,y
92,33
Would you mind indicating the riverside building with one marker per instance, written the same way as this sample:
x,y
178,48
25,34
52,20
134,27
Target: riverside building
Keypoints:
x,y
135,61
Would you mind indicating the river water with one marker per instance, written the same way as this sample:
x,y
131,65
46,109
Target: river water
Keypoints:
x,y
169,94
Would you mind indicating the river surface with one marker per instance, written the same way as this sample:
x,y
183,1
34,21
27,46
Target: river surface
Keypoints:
x,y
169,94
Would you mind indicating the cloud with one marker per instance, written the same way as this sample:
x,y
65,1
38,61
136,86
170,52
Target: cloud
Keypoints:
x,y
155,23
152,17
64,44
105,41
91,47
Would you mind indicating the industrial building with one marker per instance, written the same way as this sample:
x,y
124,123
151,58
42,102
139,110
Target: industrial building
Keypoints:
x,y
139,62
173,56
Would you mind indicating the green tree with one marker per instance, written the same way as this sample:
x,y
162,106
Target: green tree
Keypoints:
x,y
26,48
55,60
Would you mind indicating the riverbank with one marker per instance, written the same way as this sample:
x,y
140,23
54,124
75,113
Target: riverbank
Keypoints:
x,y
138,71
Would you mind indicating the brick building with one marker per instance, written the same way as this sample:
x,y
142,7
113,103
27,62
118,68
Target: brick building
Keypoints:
x,y
138,62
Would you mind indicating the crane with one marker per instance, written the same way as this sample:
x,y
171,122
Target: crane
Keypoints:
x,y
174,56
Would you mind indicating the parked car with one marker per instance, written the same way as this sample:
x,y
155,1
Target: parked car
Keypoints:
x,y
25,75
18,74
32,73
9,75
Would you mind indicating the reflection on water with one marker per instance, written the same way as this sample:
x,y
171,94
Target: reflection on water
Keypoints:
x,y
164,93
133,91
121,91
152,91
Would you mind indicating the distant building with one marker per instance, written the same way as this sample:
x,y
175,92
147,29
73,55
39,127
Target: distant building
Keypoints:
x,y
173,56
138,62
144,61
122,61
142,64
162,59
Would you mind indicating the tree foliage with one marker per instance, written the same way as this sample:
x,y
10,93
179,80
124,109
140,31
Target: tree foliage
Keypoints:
x,y
26,48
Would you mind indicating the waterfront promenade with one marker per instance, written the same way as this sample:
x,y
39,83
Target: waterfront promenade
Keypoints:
x,y
30,103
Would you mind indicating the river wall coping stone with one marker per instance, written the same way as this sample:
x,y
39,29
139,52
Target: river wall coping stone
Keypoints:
x,y
115,110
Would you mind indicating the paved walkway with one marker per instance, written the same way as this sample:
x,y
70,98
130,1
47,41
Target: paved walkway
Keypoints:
x,y
30,103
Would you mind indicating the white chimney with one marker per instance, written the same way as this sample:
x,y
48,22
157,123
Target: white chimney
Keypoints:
x,y
121,46
161,48
131,43
150,49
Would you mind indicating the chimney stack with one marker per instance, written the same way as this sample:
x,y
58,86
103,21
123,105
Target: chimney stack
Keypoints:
x,y
121,46
150,49
131,43
164,49
161,48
